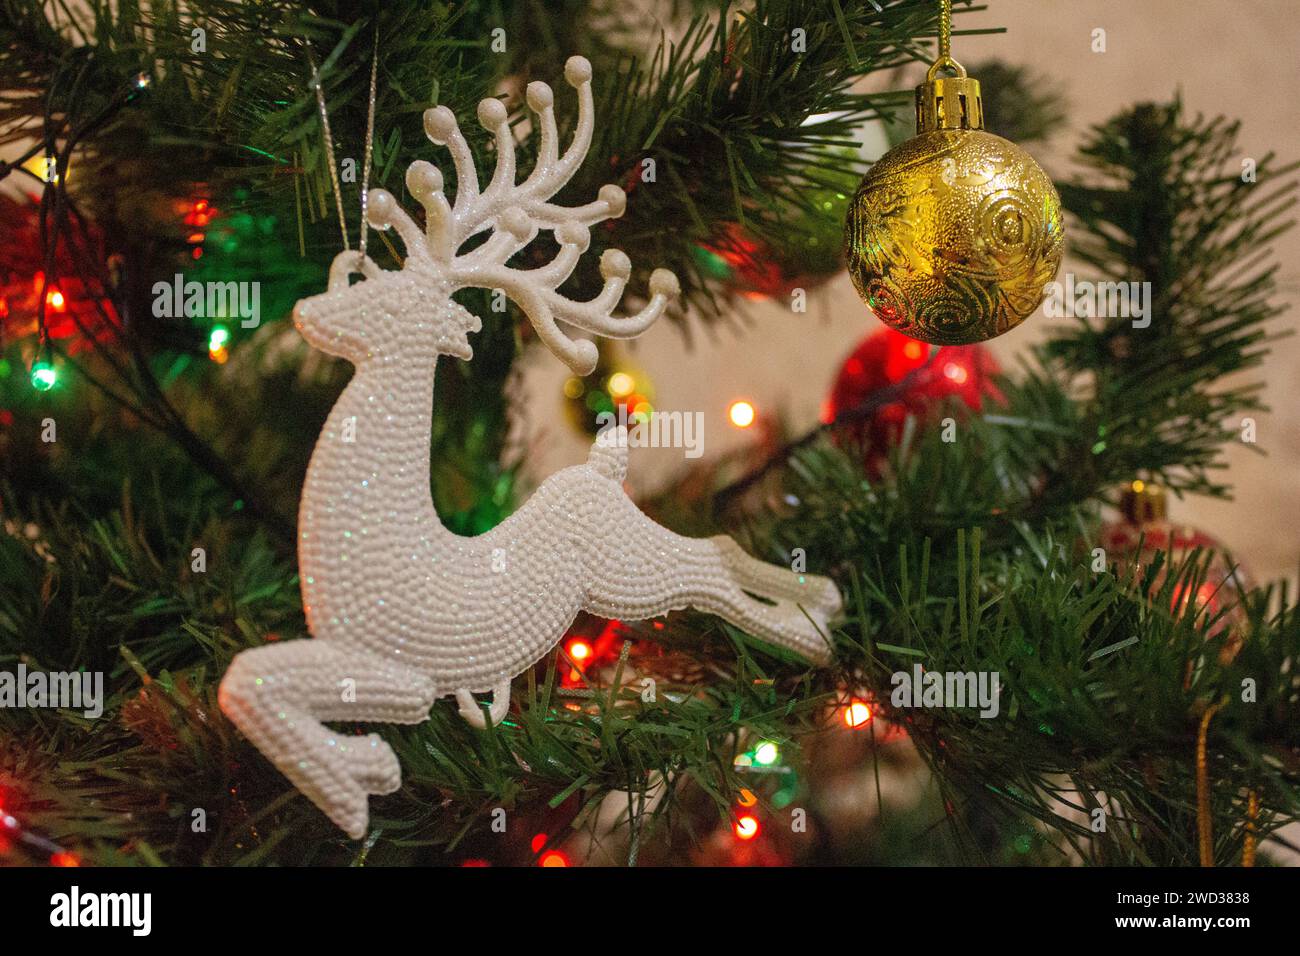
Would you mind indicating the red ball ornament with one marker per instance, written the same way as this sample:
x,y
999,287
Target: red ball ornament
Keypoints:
x,y
1144,522
890,360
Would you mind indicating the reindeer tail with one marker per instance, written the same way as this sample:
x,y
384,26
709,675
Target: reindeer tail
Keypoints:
x,y
609,453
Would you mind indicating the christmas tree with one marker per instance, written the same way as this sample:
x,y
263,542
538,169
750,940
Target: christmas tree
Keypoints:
x,y
178,176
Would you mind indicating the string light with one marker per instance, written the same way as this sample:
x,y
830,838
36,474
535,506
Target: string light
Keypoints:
x,y
44,376
550,857
579,649
200,214
9,826
856,714
217,340
766,753
747,827
621,385
741,414
43,166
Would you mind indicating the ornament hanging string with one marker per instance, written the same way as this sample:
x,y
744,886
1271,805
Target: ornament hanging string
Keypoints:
x,y
366,156
369,147
945,29
945,60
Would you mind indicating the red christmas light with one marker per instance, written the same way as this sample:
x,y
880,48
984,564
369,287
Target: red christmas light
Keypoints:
x,y
199,215
746,827
586,652
887,358
74,309
856,714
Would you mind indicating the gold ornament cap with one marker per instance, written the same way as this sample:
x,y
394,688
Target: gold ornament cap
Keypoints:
x,y
948,102
1141,502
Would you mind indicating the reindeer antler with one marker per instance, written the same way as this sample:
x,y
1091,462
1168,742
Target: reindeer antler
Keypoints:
x,y
516,212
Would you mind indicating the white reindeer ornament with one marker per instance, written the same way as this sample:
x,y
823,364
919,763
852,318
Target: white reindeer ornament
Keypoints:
x,y
403,611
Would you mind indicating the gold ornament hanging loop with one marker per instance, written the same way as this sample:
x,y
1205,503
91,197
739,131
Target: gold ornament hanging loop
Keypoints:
x,y
945,63
945,60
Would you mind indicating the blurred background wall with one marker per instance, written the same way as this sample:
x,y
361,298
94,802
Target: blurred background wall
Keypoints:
x,y
1237,59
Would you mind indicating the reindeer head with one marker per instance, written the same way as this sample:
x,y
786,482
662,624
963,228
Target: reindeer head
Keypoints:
x,y
412,310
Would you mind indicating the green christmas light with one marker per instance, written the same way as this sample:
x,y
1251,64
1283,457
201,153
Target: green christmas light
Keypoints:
x,y
218,338
44,377
766,753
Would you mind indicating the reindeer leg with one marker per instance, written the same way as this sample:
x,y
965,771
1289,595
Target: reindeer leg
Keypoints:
x,y
630,584
785,624
473,712
725,573
818,594
279,694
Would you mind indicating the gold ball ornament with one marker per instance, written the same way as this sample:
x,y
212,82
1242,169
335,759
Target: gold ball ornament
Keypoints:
x,y
953,235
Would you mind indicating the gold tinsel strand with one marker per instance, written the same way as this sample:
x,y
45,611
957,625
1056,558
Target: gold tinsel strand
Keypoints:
x,y
1252,813
1204,822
